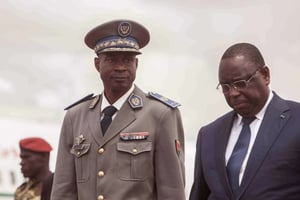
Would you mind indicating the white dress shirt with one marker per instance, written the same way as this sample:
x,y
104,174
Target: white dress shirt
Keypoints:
x,y
235,132
118,104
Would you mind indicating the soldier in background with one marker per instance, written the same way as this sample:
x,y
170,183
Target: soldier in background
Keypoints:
x,y
35,154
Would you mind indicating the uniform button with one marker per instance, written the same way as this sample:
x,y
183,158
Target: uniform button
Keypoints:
x,y
100,173
134,150
101,150
100,197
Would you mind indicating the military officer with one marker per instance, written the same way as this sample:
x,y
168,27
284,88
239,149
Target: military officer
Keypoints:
x,y
34,154
140,155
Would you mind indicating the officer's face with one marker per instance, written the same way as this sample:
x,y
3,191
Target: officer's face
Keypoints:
x,y
117,70
32,163
249,100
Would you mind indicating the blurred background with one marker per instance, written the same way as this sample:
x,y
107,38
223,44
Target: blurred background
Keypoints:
x,y
46,66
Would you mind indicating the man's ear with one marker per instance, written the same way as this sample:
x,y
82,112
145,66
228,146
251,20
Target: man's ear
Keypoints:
x,y
266,74
136,63
96,63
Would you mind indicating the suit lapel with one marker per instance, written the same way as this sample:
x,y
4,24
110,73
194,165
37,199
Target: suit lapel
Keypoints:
x,y
94,121
124,117
222,140
274,120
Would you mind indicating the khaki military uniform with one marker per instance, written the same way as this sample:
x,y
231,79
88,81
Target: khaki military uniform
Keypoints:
x,y
140,157
30,190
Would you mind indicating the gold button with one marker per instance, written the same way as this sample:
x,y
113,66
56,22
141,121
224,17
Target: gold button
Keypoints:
x,y
134,150
100,173
101,150
100,197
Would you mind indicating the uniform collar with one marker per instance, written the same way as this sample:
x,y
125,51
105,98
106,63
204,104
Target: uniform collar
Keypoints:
x,y
118,104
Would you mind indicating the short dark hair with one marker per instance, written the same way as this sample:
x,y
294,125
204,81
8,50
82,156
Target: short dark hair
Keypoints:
x,y
248,50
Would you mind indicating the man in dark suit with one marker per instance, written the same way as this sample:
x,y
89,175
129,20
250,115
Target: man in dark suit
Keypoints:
x,y
140,155
255,160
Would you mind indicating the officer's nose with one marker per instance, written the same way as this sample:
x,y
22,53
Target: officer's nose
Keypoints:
x,y
120,66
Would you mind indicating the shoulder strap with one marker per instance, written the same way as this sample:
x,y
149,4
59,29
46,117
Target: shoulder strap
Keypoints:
x,y
88,97
163,99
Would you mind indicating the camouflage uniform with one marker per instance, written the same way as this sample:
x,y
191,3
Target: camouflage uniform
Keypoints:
x,y
30,190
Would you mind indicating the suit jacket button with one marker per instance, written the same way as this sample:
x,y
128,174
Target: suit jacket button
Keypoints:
x,y
134,150
100,197
100,151
100,173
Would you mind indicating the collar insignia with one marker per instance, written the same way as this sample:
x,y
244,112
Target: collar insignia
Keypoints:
x,y
135,101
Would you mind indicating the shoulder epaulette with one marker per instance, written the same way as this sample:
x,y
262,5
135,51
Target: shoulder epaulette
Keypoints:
x,y
163,99
88,97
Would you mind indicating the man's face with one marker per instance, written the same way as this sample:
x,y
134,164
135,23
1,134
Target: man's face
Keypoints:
x,y
31,163
250,100
117,70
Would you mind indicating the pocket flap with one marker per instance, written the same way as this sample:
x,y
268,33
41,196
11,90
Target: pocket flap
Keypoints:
x,y
134,148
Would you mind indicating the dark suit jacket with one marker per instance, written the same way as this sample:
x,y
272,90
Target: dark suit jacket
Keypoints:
x,y
273,169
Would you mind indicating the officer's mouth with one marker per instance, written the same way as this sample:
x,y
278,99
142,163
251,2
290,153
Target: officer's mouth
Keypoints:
x,y
119,78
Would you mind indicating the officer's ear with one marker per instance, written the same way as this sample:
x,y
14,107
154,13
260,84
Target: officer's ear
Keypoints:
x,y
96,63
136,62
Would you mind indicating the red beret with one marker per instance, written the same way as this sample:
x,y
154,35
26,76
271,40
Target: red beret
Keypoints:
x,y
35,144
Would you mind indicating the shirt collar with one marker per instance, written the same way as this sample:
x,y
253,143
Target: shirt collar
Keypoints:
x,y
118,104
262,112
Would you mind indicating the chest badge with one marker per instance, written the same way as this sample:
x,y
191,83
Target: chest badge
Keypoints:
x,y
134,136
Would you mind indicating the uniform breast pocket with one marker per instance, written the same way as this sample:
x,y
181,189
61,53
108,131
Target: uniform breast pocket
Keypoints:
x,y
80,152
134,160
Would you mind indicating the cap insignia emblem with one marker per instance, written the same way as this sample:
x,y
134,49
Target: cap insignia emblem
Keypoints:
x,y
124,29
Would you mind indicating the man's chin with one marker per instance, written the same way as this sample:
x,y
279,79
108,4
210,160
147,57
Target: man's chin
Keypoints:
x,y
242,109
121,87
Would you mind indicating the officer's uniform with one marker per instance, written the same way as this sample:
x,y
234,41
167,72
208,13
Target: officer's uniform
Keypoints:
x,y
31,189
141,155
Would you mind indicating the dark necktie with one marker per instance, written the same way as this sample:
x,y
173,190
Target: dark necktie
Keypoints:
x,y
238,155
109,111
